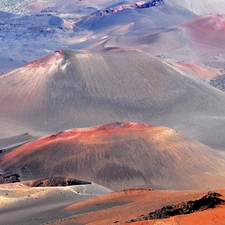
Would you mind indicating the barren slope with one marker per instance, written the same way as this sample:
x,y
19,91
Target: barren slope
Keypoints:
x,y
119,155
130,19
41,201
83,88
207,31
120,207
195,37
202,7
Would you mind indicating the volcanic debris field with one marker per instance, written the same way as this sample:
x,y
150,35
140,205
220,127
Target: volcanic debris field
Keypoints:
x,y
112,112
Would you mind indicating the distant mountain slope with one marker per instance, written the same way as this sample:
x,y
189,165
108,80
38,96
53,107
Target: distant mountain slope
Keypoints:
x,y
139,15
202,7
201,35
119,155
45,26
207,30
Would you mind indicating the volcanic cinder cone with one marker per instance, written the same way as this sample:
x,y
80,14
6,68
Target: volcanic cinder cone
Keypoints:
x,y
83,88
120,155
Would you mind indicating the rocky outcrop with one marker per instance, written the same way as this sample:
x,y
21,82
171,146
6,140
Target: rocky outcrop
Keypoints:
x,y
136,5
13,178
218,82
57,181
207,201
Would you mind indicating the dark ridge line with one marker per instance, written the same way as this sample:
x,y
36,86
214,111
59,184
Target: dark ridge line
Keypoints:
x,y
43,182
135,5
58,181
148,4
12,178
206,202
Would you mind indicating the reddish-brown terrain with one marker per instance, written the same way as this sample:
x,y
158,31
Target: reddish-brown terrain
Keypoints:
x,y
81,204
119,155
159,62
207,32
123,206
200,72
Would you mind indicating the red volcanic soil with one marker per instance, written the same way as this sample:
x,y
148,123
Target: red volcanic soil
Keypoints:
x,y
119,155
47,60
111,208
96,134
207,32
198,71
213,216
45,64
122,206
